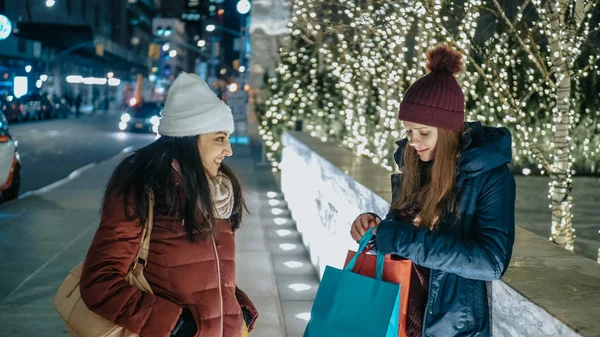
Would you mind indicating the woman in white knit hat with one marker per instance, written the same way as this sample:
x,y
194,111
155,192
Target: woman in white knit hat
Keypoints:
x,y
198,205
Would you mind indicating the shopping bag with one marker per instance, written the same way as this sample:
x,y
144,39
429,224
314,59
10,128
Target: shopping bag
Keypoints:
x,y
394,271
79,319
245,332
352,305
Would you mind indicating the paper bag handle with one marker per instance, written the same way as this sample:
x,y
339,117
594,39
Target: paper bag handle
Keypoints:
x,y
380,257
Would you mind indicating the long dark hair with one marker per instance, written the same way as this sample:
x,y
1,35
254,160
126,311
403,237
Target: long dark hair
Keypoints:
x,y
438,197
150,168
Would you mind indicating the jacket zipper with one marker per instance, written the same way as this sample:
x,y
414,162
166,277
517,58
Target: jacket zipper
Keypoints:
x,y
428,302
219,276
218,267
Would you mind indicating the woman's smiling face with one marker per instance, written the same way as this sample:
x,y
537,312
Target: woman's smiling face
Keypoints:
x,y
422,138
214,147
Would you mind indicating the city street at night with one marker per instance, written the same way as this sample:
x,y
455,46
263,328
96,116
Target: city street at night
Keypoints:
x,y
314,168
51,150
66,164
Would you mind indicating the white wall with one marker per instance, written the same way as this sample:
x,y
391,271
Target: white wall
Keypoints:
x,y
324,201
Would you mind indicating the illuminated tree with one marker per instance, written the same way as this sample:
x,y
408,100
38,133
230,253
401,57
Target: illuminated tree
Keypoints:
x,y
530,65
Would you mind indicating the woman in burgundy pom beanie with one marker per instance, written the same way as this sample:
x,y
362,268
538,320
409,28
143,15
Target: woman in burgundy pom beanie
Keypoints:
x,y
452,211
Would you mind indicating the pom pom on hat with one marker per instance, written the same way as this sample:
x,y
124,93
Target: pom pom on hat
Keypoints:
x,y
192,109
444,59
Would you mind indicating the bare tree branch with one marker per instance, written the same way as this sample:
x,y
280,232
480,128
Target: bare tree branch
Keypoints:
x,y
588,7
545,164
538,62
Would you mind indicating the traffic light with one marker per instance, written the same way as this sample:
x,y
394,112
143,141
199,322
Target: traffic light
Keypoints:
x,y
154,51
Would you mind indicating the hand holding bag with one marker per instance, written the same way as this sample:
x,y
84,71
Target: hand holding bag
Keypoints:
x,y
81,321
352,305
394,271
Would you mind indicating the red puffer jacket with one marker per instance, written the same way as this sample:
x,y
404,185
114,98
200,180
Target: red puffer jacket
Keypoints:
x,y
199,275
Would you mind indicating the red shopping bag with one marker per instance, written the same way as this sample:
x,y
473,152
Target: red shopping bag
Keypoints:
x,y
394,271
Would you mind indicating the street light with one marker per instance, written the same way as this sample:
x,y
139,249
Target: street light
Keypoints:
x,y
243,7
5,27
210,28
166,47
50,3
201,43
173,53
28,69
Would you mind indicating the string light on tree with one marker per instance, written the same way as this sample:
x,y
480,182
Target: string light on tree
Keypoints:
x,y
346,65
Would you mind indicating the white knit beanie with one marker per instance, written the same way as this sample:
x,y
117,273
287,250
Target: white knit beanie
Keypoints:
x,y
193,109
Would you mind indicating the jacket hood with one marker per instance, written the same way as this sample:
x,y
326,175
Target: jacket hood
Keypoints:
x,y
484,148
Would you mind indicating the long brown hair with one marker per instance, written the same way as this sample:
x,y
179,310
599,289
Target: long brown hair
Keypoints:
x,y
437,197
150,167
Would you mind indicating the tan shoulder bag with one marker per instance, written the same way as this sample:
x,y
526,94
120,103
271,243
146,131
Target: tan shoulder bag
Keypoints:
x,y
81,321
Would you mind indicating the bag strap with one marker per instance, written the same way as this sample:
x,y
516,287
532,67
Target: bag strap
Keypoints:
x,y
380,257
142,256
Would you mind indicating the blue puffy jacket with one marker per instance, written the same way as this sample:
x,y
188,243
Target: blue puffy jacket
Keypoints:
x,y
463,254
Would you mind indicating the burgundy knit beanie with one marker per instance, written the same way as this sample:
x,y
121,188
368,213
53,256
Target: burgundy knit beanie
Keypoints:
x,y
436,98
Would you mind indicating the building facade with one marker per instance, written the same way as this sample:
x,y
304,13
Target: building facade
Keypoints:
x,y
64,42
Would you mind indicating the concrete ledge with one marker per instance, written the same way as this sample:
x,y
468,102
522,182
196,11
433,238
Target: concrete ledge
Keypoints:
x,y
546,291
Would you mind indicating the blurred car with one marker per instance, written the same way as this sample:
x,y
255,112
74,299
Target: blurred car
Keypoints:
x,y
10,163
34,107
46,106
11,108
143,117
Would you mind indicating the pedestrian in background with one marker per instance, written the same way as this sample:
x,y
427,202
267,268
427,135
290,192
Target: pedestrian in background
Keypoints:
x,y
78,101
453,206
198,206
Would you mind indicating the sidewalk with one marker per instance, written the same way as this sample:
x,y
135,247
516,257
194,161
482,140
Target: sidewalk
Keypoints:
x,y
48,232
273,265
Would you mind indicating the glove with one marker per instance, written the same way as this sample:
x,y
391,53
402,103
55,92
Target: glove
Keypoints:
x,y
247,316
186,325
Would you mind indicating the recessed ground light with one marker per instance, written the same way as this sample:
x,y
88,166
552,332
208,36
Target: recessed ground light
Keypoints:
x,y
276,211
287,246
305,316
283,232
293,264
274,202
271,194
280,221
299,287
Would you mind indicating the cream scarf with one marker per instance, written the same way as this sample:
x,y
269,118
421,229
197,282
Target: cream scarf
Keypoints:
x,y
221,192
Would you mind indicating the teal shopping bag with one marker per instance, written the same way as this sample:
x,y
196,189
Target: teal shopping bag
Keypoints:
x,y
353,305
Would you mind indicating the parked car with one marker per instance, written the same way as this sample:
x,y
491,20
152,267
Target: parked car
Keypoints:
x,y
31,107
143,117
10,163
46,106
11,108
